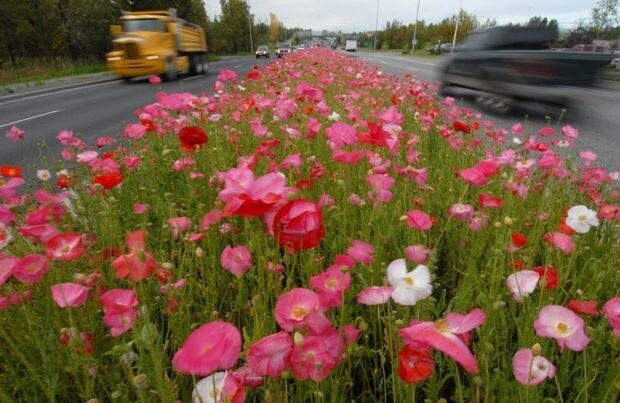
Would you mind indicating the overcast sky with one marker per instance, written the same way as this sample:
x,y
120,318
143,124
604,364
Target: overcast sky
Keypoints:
x,y
360,15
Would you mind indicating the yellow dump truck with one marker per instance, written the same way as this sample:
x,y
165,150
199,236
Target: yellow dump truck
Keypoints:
x,y
156,43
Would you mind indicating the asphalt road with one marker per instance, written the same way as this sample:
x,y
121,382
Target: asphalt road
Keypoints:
x,y
596,113
90,111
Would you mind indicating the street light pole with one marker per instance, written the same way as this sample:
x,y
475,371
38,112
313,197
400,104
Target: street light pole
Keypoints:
x,y
376,26
415,28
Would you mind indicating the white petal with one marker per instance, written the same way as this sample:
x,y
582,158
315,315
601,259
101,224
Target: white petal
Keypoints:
x,y
421,276
396,271
405,296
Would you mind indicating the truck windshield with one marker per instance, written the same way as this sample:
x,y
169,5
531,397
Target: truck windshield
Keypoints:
x,y
144,25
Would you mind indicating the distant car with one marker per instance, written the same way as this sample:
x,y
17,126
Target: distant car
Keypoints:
x,y
301,47
262,51
283,50
616,63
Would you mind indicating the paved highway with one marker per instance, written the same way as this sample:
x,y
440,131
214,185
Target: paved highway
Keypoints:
x,y
90,111
596,113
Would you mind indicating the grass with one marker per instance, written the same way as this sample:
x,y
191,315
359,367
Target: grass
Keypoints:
x,y
38,72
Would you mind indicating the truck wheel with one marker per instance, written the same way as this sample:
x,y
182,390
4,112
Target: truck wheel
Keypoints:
x,y
193,65
494,103
171,71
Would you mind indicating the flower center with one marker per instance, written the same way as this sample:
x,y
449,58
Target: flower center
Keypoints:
x,y
331,283
582,217
65,249
562,328
408,280
32,268
441,325
299,312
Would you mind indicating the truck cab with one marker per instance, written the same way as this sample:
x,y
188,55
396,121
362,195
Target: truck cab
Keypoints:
x,y
156,43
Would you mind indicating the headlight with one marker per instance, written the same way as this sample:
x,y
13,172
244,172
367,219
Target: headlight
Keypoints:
x,y
152,57
114,58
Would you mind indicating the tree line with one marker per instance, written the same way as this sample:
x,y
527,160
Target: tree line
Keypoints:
x,y
602,25
77,31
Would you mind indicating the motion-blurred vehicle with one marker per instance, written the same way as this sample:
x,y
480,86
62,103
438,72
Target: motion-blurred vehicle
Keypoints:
x,y
615,63
156,42
512,66
301,47
440,48
262,51
283,49
350,45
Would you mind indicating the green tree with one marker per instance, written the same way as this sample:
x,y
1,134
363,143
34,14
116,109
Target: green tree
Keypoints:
x,y
605,15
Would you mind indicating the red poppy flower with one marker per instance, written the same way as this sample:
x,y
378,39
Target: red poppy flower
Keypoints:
x,y
460,126
549,275
8,171
148,124
518,239
583,307
108,156
192,137
415,364
299,225
304,184
518,264
64,181
253,74
565,228
108,181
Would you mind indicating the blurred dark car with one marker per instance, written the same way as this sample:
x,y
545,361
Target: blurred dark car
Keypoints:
x,y
283,50
508,65
262,51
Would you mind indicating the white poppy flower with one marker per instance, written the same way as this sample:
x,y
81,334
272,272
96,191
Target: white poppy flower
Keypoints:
x,y
409,287
522,283
580,219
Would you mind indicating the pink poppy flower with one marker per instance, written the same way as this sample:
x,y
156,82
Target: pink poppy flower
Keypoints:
x,y
474,176
227,75
446,335
341,134
529,369
560,241
31,269
139,208
563,325
6,267
219,388
69,295
332,284
417,254
361,252
14,134
270,355
212,217
487,200
300,308
65,247
522,283
478,221
237,260
611,309
461,212
118,301
248,378
215,345
316,356
374,295
7,189
178,225
419,220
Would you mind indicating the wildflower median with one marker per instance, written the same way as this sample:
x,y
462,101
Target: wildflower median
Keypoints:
x,y
314,231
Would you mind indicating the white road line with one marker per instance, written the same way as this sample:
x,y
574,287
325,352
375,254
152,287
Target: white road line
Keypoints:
x,y
237,66
30,118
192,78
56,92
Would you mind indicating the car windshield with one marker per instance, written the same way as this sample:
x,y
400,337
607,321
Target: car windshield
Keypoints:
x,y
285,46
144,25
262,48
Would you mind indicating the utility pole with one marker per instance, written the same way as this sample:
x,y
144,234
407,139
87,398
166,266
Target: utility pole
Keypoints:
x,y
458,19
250,26
415,28
376,27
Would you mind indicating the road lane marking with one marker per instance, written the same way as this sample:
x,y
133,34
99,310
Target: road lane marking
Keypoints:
x,y
30,118
55,92
192,78
238,66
